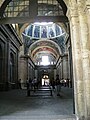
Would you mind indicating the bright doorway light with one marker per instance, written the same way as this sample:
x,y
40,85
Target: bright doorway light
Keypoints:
x,y
43,23
45,80
45,60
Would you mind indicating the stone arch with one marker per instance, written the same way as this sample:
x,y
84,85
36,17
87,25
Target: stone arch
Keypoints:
x,y
47,41
44,47
23,28
71,12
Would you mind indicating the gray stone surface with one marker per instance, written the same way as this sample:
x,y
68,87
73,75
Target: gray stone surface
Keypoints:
x,y
15,105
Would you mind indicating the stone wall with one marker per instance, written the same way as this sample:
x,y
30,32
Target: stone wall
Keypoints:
x,y
9,43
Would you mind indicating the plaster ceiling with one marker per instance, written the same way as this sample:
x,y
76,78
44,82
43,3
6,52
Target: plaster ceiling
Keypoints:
x,y
48,9
43,48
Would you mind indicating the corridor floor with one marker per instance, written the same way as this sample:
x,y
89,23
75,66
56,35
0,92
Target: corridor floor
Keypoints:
x,y
15,105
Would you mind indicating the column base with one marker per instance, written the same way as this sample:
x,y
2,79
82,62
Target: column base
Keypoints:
x,y
83,118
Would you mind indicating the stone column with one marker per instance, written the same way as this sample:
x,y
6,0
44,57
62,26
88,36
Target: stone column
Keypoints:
x,y
68,65
36,75
77,61
23,70
65,67
54,74
85,47
61,67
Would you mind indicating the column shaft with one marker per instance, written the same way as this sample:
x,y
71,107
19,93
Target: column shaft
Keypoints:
x,y
77,64
85,47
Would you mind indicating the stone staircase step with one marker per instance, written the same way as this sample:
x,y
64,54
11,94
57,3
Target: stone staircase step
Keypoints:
x,y
38,117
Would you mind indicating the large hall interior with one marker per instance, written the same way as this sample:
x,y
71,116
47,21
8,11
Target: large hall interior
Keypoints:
x,y
45,59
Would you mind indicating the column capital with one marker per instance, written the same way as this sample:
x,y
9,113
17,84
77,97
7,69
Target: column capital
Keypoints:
x,y
83,7
88,2
87,8
72,13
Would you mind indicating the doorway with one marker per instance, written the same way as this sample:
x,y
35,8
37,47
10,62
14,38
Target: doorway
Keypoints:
x,y
45,80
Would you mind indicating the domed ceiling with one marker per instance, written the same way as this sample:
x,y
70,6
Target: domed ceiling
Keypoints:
x,y
43,30
39,39
38,45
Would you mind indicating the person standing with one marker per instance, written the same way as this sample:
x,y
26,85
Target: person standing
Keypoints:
x,y
58,85
19,81
27,82
34,83
53,83
30,83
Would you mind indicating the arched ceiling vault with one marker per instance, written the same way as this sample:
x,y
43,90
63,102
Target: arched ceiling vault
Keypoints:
x,y
44,47
43,53
48,47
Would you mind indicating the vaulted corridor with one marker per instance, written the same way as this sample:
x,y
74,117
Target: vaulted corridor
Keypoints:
x,y
45,48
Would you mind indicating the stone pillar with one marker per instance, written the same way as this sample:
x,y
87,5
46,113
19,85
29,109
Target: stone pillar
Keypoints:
x,y
65,67
54,74
61,67
23,70
85,47
77,61
36,75
69,64
87,9
60,70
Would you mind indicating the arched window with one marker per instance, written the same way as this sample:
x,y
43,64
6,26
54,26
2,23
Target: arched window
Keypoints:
x,y
43,30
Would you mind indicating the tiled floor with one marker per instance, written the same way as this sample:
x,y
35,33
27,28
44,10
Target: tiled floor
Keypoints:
x,y
15,105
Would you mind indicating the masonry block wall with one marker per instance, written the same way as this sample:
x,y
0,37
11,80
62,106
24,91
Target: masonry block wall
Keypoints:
x,y
9,48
